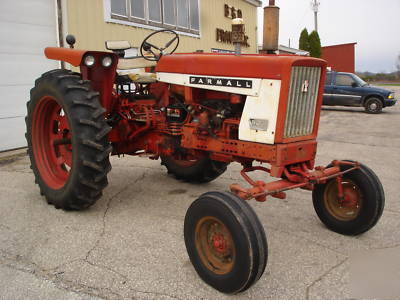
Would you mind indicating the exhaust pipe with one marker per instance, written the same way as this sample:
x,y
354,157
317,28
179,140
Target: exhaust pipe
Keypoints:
x,y
271,28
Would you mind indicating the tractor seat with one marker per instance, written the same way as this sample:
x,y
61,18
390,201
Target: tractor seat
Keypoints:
x,y
135,69
132,67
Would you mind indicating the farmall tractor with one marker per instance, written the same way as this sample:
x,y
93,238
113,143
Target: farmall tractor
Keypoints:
x,y
197,112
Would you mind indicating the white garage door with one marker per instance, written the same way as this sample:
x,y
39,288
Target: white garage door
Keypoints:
x,y
26,28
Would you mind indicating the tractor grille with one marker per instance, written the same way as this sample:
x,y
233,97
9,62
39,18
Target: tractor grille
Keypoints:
x,y
302,100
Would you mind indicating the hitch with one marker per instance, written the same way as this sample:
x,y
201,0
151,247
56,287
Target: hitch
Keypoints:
x,y
297,176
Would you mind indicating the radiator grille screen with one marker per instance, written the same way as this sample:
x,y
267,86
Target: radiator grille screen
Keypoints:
x,y
302,101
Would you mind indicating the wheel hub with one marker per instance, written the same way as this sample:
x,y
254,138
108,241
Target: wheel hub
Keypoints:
x,y
215,245
347,208
51,142
373,106
219,243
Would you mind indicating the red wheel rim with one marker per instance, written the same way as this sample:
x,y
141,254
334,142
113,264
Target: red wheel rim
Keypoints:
x,y
348,208
51,142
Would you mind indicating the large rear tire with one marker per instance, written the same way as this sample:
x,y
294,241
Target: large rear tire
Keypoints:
x,y
195,167
225,241
361,208
67,140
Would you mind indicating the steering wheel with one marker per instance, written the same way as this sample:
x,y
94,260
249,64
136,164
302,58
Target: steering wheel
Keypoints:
x,y
157,52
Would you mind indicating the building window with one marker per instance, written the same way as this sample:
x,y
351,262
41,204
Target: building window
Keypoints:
x,y
181,15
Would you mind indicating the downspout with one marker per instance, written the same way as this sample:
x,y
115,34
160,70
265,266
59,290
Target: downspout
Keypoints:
x,y
60,28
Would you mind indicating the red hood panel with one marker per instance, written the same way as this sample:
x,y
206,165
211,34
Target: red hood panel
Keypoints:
x,y
229,65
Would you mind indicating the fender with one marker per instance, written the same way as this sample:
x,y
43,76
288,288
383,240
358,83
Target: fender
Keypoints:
x,y
366,97
72,56
101,78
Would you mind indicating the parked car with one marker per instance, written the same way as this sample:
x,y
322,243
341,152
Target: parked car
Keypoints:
x,y
347,89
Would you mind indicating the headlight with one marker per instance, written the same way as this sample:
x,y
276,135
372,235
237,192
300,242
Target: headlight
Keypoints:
x,y
106,61
89,60
391,96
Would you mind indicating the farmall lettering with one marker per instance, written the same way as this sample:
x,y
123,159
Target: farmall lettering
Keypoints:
x,y
237,83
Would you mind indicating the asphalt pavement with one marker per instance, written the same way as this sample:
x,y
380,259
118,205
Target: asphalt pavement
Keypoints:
x,y
130,243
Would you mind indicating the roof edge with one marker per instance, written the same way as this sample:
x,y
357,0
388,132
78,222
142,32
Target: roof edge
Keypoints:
x,y
256,3
338,45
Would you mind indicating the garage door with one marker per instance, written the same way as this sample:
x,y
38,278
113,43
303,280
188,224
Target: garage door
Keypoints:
x,y
26,28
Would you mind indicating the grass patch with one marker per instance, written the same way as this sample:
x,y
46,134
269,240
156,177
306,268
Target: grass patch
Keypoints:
x,y
387,84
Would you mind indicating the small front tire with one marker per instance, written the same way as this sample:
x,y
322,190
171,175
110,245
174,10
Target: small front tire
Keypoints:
x,y
225,241
359,211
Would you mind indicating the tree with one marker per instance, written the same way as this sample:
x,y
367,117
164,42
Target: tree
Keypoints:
x,y
398,66
304,43
315,44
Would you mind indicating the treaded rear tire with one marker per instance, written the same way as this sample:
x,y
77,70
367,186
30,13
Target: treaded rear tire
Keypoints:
x,y
87,176
204,170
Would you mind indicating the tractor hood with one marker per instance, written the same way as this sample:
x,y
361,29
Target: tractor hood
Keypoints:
x,y
249,66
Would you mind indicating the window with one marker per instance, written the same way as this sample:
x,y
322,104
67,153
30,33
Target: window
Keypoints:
x,y
155,10
328,79
345,80
182,15
137,9
118,7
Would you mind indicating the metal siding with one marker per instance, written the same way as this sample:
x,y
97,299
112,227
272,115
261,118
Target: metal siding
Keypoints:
x,y
86,21
340,58
301,106
27,27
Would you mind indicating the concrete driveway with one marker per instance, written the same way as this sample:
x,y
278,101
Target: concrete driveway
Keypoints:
x,y
130,243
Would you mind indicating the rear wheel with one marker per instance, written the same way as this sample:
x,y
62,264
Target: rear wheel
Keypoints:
x,y
67,140
225,241
373,106
361,207
193,166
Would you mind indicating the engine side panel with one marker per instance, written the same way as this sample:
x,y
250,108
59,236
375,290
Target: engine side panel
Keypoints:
x,y
258,121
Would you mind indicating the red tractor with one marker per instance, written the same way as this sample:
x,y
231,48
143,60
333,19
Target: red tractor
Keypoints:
x,y
197,112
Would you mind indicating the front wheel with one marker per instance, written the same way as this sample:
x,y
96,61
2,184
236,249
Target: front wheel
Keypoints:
x,y
67,140
225,241
361,208
373,106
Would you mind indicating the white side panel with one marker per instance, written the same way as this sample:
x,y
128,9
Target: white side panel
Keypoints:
x,y
26,28
258,121
184,79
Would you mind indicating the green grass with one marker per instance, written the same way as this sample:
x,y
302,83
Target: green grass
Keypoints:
x,y
387,84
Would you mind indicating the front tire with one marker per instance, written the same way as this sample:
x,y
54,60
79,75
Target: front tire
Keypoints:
x,y
373,105
225,241
359,211
67,140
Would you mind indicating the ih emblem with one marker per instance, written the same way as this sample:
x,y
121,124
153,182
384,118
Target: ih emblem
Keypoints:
x,y
304,87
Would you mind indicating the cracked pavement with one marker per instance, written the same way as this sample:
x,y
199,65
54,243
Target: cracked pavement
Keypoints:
x,y
129,245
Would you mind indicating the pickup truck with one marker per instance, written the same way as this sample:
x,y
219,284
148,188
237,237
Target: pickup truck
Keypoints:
x,y
347,89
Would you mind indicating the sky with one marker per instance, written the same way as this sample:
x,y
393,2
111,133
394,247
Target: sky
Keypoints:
x,y
373,24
